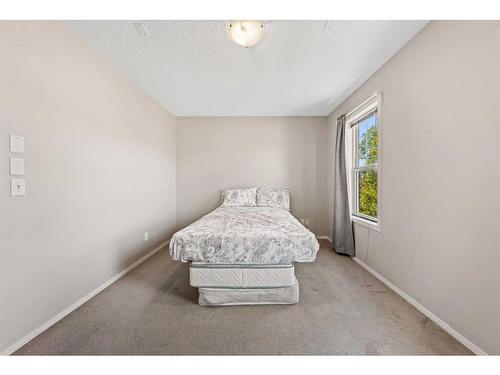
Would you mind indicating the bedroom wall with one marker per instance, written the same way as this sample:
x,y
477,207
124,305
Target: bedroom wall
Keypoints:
x,y
100,171
214,153
440,237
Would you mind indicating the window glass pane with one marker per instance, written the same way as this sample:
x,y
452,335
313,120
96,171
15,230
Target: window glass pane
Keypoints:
x,y
367,190
367,140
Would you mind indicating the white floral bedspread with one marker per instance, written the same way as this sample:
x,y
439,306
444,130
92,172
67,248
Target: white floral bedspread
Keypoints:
x,y
257,235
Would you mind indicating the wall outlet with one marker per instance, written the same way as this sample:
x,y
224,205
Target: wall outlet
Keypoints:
x,y
302,221
146,236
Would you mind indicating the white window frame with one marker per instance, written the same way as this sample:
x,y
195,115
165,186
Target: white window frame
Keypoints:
x,y
371,104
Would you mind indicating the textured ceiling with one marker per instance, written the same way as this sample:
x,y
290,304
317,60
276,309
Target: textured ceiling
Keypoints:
x,y
299,68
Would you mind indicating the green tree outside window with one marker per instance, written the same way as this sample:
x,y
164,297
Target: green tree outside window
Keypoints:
x,y
368,179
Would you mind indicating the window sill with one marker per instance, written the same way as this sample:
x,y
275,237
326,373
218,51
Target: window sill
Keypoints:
x,y
366,223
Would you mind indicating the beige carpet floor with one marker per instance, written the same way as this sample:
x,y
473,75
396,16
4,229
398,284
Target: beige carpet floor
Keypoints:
x,y
153,310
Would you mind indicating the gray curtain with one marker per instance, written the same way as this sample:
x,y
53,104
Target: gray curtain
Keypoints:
x,y
343,238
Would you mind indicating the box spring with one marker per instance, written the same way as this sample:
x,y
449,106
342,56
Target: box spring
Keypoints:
x,y
203,275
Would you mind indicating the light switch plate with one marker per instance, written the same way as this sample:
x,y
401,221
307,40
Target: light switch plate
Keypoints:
x,y
17,186
16,143
17,166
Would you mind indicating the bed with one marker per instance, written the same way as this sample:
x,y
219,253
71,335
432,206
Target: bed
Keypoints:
x,y
244,251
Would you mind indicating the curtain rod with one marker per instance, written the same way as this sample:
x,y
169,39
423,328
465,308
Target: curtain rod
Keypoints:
x,y
375,94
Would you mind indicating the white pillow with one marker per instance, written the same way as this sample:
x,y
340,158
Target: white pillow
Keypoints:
x,y
273,198
239,197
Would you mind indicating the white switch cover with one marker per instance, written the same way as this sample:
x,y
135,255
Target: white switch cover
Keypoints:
x,y
146,236
17,166
17,186
16,143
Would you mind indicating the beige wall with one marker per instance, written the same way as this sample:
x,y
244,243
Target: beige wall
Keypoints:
x,y
100,171
440,238
214,153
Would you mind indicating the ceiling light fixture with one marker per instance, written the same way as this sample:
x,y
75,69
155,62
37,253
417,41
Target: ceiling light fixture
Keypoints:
x,y
246,33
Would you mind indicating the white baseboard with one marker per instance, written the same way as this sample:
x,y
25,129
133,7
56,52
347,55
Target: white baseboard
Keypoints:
x,y
462,339
324,238
24,340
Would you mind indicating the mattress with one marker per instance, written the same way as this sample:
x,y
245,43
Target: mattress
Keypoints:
x,y
241,276
245,235
257,296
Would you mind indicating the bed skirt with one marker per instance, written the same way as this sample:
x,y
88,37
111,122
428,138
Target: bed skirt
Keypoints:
x,y
249,296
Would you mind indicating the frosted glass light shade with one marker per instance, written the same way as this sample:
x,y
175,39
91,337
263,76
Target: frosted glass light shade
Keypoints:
x,y
245,33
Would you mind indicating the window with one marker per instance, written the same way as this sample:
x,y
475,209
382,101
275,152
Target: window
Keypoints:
x,y
364,170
